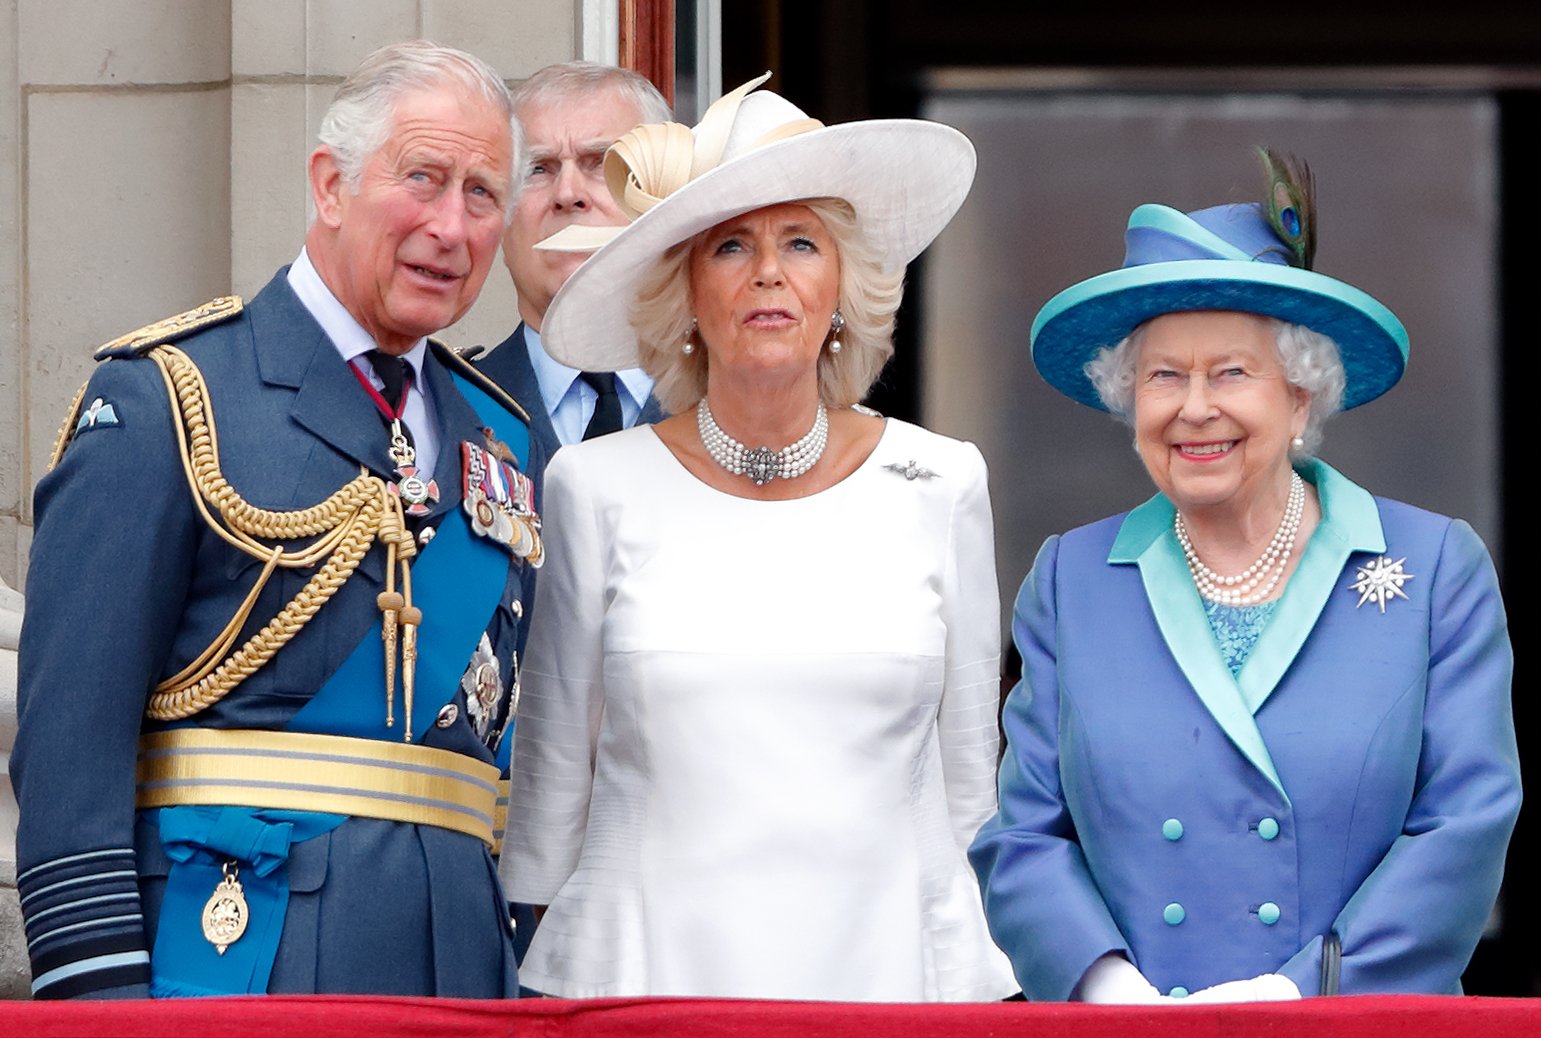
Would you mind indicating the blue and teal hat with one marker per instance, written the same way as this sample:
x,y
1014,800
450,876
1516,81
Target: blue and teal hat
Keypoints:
x,y
1224,258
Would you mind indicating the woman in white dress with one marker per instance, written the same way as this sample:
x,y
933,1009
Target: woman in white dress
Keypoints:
x,y
758,723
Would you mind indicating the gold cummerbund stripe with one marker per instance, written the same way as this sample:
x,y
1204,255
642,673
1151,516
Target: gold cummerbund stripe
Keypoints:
x,y
294,771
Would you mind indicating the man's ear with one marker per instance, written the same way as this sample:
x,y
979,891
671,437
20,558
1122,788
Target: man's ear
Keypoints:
x,y
326,187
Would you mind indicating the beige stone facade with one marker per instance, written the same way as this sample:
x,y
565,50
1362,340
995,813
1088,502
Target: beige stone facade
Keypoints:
x,y
155,157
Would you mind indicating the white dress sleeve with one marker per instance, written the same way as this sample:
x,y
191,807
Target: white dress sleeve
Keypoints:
x,y
557,726
967,725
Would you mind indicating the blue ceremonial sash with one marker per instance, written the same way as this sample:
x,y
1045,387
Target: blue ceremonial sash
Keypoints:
x,y
199,841
458,580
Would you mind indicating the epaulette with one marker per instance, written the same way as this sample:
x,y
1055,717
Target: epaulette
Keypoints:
x,y
462,367
136,344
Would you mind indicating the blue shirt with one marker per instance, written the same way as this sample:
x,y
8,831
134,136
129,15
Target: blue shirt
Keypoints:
x,y
570,401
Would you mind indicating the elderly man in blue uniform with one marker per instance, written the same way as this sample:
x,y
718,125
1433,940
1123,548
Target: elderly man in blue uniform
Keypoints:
x,y
567,116
276,598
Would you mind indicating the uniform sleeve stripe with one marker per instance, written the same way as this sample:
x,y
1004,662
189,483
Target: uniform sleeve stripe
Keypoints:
x,y
71,859
126,934
140,960
132,896
94,877
113,921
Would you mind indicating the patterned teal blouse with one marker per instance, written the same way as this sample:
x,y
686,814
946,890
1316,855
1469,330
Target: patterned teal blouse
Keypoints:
x,y
1237,629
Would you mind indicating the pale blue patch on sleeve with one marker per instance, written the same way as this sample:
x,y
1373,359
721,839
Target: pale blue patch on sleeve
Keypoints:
x,y
98,414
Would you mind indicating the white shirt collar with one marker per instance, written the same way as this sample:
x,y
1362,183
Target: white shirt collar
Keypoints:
x,y
556,378
346,334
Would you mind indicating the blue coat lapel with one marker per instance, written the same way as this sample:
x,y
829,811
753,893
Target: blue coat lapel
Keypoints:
x,y
1146,539
1350,523
509,366
652,411
328,400
457,422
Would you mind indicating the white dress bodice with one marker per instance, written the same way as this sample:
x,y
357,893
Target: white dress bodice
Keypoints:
x,y
755,737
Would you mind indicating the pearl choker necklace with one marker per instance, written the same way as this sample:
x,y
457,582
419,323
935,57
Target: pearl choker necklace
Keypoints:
x,y
1257,582
761,464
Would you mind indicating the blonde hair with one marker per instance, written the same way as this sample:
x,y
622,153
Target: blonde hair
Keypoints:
x,y
869,298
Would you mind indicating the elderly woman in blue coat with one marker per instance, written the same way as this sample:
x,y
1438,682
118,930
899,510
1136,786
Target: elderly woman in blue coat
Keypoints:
x,y
1263,744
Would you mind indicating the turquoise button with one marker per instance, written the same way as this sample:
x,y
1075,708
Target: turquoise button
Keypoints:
x,y
1174,914
1268,912
1172,829
1179,992
1268,828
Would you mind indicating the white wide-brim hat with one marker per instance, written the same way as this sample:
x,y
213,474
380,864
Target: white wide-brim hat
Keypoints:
x,y
905,178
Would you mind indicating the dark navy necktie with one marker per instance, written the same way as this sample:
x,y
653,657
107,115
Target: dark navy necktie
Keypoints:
x,y
607,409
393,373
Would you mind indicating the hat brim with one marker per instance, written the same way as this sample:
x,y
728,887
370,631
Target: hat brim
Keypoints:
x,y
1101,311
905,178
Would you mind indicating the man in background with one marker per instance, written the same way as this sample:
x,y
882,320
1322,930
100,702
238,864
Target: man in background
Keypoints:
x,y
566,116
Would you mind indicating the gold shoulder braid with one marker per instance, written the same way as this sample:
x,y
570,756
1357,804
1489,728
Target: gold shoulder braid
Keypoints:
x,y
135,344
67,430
172,328
343,527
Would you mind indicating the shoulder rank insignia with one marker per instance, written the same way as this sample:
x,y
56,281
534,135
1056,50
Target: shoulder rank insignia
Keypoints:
x,y
171,329
459,362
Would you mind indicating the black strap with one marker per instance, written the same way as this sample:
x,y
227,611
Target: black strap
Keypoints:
x,y
1332,962
607,409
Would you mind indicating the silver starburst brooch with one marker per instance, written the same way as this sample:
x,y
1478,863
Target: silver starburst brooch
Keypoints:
x,y
1380,581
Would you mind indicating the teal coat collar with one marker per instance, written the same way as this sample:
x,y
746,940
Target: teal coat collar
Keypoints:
x,y
1350,523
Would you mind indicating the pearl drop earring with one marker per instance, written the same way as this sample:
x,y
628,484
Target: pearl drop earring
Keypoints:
x,y
836,326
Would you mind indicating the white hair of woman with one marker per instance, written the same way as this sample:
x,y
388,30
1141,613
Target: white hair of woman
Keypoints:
x,y
1311,362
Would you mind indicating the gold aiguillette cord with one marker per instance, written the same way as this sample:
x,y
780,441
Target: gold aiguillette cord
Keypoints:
x,y
399,616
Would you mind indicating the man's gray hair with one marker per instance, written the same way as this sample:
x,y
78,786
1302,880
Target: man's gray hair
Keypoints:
x,y
556,83
359,119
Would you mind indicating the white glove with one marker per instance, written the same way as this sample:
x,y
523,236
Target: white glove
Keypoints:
x,y
1270,987
1114,980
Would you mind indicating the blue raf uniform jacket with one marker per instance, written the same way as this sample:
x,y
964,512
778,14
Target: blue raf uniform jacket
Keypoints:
x,y
128,583
1358,778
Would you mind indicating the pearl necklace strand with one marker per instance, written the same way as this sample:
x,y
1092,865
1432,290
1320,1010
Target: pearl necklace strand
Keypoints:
x,y
1257,582
761,464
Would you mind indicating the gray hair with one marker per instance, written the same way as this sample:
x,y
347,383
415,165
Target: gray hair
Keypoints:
x,y
869,298
559,82
1311,362
359,119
